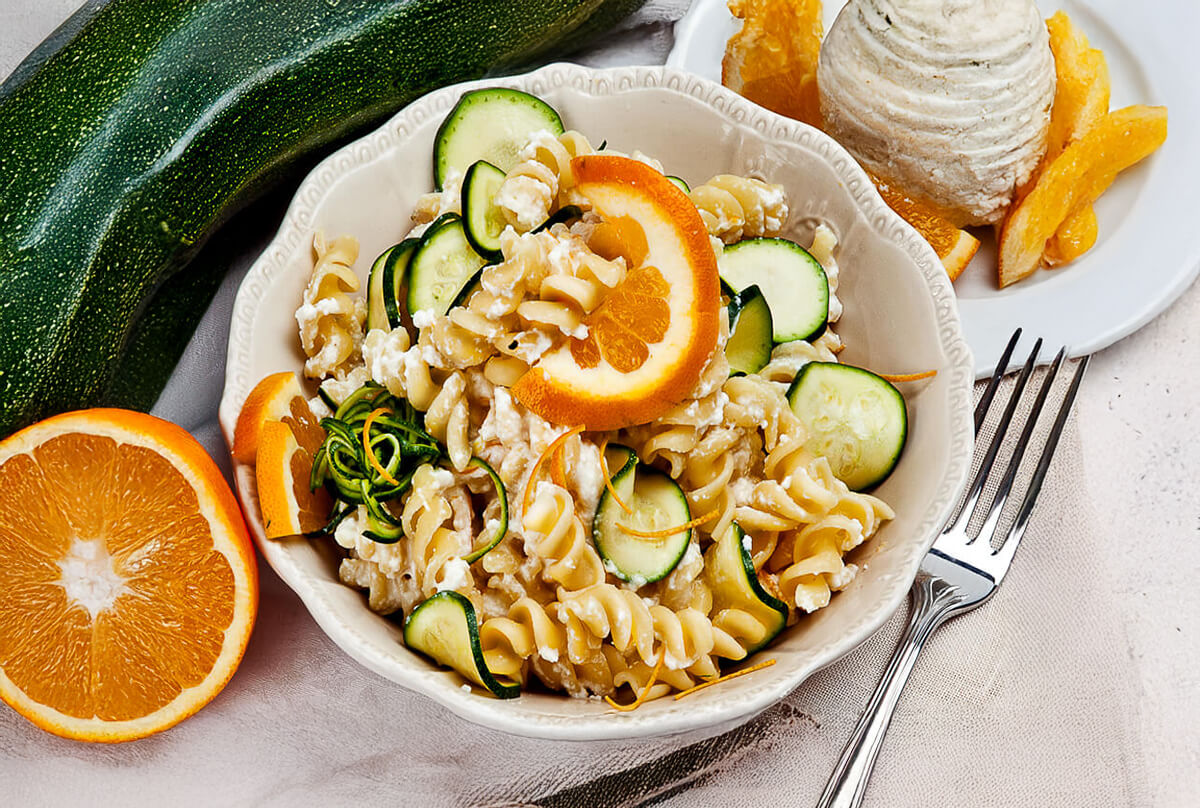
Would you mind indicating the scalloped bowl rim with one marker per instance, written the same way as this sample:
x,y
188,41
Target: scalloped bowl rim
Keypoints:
x,y
757,693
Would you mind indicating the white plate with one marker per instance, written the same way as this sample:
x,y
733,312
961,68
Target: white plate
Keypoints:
x,y
899,315
1148,252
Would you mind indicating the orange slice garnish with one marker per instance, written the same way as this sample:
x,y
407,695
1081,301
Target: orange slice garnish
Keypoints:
x,y
278,397
954,247
1074,179
282,470
128,584
772,60
649,339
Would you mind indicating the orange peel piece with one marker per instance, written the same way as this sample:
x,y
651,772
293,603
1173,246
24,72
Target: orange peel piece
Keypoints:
x,y
649,339
1076,178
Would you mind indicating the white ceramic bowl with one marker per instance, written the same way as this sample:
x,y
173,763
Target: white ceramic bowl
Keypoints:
x,y
900,316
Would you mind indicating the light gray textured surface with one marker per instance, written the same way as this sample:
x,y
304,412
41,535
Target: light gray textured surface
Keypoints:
x,y
1119,531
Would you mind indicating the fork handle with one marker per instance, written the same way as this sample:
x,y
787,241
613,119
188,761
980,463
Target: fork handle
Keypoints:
x,y
933,602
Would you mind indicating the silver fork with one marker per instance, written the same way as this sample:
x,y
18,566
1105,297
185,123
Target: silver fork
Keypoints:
x,y
961,571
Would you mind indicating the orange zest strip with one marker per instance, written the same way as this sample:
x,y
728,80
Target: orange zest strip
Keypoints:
x,y
371,458
626,708
725,678
670,531
612,492
907,377
558,472
550,450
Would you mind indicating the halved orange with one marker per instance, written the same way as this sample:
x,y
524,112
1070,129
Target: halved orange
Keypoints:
x,y
649,340
276,397
954,247
772,59
128,584
1076,178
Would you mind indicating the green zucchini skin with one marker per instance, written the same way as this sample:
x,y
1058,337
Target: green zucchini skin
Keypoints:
x,y
140,126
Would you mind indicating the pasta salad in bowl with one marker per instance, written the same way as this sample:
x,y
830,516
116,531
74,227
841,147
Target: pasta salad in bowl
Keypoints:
x,y
602,388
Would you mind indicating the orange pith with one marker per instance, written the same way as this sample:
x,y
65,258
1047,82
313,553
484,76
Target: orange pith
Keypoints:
x,y
1074,179
650,338
772,60
128,584
954,247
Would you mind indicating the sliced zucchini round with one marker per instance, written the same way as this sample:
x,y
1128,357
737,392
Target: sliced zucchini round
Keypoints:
x,y
792,281
679,183
376,311
444,629
749,347
491,537
384,285
855,419
483,221
491,124
442,263
657,503
735,585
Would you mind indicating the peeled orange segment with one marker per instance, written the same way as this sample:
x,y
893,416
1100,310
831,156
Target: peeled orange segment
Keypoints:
x,y
954,247
1076,178
128,585
1074,237
282,470
1083,87
772,60
275,398
1081,99
650,338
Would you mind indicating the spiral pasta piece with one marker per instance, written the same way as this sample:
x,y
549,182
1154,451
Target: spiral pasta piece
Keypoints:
x,y
734,208
534,186
556,535
526,630
331,316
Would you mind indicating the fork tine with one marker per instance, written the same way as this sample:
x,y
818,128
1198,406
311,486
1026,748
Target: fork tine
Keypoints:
x,y
985,467
1008,546
1000,499
985,401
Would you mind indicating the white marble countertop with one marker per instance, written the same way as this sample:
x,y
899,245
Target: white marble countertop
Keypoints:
x,y
1137,422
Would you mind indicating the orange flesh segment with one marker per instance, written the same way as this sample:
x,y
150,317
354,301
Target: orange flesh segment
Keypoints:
x,y
650,338
1076,178
772,59
120,600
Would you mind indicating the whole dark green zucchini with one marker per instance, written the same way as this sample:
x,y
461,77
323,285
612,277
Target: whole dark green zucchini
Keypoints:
x,y
140,126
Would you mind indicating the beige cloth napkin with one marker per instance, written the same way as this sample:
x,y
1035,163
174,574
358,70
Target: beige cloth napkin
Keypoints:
x,y
1027,702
